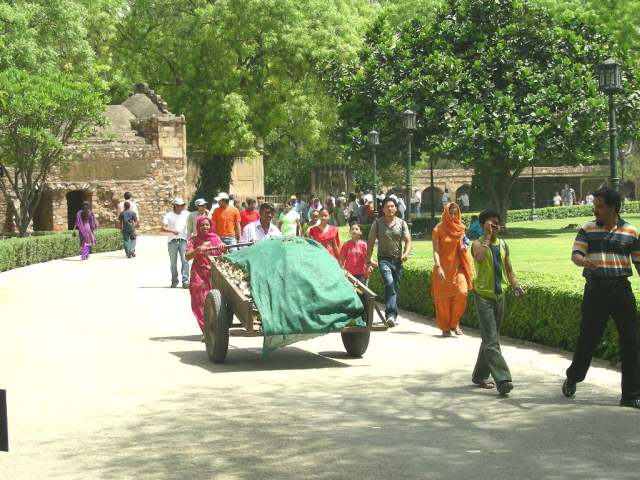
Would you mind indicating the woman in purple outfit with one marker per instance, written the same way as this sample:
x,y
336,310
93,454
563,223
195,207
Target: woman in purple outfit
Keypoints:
x,y
86,224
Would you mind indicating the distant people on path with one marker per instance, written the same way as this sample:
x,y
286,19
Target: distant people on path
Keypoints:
x,y
200,282
353,255
416,202
263,227
302,208
589,198
451,272
557,200
326,234
128,197
128,220
445,198
342,198
289,222
493,274
605,248
464,202
389,231
175,224
201,209
315,205
249,214
475,230
226,221
354,208
569,196
86,225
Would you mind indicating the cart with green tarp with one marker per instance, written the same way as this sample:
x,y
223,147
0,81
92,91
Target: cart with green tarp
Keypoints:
x,y
299,291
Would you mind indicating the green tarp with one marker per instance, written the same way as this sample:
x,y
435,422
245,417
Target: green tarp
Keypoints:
x,y
299,289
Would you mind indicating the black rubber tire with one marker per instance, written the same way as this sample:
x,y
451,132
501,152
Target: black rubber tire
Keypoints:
x,y
217,321
355,343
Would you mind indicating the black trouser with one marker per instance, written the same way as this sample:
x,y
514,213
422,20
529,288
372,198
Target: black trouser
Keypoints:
x,y
604,298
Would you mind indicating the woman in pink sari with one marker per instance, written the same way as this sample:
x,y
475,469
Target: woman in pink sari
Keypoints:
x,y
200,282
86,225
326,234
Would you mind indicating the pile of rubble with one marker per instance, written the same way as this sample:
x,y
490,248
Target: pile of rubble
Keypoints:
x,y
241,279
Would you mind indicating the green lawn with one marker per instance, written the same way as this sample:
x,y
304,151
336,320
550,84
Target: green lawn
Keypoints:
x,y
540,246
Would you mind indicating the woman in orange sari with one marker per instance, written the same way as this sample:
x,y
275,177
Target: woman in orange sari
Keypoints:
x,y
452,271
326,234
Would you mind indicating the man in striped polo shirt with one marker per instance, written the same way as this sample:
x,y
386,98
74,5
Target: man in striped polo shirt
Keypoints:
x,y
606,248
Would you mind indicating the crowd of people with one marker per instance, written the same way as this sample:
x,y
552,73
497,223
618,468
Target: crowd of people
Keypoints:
x,y
465,260
567,197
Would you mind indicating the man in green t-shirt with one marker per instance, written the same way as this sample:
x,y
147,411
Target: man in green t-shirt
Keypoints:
x,y
493,273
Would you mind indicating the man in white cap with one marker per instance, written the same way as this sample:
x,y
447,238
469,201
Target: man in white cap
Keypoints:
x,y
226,220
175,224
201,209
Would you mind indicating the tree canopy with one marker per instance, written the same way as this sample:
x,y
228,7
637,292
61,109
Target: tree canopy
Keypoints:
x,y
498,85
39,114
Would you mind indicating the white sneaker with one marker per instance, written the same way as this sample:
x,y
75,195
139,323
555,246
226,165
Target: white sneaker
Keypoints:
x,y
391,322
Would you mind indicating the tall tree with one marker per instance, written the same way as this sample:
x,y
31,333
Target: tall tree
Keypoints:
x,y
39,114
242,71
498,84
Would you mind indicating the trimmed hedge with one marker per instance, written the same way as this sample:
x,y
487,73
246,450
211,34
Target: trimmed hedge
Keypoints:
x,y
20,252
549,314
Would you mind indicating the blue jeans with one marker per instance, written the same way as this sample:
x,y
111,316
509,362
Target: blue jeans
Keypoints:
x,y
391,271
490,361
229,241
416,209
129,240
180,246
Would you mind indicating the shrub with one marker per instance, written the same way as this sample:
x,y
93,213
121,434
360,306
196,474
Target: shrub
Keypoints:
x,y
549,314
20,252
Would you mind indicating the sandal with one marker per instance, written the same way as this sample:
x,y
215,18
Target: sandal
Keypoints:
x,y
446,334
485,384
458,331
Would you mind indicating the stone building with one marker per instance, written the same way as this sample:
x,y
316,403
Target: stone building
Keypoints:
x,y
143,151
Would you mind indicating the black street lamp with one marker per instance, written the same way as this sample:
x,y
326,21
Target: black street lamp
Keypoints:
x,y
533,215
433,193
374,141
623,157
409,124
610,82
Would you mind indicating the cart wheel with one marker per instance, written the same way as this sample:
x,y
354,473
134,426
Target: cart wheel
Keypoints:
x,y
355,343
216,326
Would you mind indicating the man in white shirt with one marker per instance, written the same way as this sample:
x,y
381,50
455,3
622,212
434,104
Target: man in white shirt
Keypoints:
x,y
128,197
263,228
589,198
445,198
416,201
201,209
464,202
175,224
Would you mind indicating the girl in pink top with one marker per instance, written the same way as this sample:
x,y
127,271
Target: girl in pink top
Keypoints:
x,y
353,253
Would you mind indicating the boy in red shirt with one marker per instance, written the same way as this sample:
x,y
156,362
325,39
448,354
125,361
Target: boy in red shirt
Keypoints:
x,y
353,253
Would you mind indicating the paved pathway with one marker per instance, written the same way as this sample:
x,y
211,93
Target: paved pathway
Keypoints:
x,y
107,379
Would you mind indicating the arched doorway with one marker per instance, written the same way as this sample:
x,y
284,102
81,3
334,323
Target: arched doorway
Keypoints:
x,y
463,189
74,205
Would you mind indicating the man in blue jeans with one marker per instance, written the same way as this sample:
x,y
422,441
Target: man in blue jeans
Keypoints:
x,y
389,231
175,224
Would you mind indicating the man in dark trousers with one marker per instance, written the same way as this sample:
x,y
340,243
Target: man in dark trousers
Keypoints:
x,y
606,248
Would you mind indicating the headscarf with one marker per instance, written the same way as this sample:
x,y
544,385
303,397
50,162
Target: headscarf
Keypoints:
x,y
454,227
209,237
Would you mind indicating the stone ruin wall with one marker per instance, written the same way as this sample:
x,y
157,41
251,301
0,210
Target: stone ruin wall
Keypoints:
x,y
153,167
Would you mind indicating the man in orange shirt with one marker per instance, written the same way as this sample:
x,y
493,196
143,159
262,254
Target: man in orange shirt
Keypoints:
x,y
249,214
226,220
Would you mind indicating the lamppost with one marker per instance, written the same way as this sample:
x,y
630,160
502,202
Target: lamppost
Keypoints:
x,y
374,141
610,82
433,193
409,124
533,215
623,157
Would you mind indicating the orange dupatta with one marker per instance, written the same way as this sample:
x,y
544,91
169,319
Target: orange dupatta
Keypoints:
x,y
455,228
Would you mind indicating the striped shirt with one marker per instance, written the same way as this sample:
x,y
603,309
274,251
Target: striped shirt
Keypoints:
x,y
613,251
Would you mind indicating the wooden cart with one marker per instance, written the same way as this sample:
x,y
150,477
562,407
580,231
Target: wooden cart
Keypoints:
x,y
222,305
